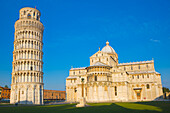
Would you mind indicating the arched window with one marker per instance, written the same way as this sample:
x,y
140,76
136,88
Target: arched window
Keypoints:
x,y
139,67
105,88
147,86
124,68
148,75
29,16
138,76
115,91
143,76
147,65
31,68
95,77
73,73
75,90
132,76
37,17
107,78
131,68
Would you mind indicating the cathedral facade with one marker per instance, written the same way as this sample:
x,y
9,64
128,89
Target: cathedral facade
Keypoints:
x,y
107,80
27,66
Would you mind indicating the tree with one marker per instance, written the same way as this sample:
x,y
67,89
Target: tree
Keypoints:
x,y
6,86
165,89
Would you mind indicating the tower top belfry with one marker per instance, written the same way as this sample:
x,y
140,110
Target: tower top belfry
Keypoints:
x,y
30,13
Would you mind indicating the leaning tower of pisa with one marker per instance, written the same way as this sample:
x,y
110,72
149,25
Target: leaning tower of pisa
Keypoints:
x,y
27,70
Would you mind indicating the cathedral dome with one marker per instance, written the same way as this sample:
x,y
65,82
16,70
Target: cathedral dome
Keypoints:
x,y
108,49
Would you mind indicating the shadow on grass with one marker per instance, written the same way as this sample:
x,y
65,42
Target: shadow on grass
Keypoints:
x,y
126,107
137,106
147,107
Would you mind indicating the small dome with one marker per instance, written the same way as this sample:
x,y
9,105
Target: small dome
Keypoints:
x,y
108,49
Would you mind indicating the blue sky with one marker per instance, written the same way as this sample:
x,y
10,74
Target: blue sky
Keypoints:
x,y
138,30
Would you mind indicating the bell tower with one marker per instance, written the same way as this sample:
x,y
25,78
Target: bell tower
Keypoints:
x,y
27,66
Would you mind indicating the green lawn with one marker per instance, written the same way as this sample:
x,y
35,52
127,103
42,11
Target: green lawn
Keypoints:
x,y
6,104
139,107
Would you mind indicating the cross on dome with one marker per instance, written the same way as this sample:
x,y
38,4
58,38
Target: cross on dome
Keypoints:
x,y
107,43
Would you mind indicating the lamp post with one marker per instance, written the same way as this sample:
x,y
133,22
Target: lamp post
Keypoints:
x,y
82,99
82,81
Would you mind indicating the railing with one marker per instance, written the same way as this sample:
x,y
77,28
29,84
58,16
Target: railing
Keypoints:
x,y
103,72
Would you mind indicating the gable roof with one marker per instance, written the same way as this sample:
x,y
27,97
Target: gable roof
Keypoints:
x,y
79,68
99,64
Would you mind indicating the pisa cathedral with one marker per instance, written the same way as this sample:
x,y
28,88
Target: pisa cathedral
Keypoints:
x,y
27,70
108,80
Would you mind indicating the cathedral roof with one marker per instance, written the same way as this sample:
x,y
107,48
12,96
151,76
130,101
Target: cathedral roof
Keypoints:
x,y
72,77
99,64
142,72
78,68
133,63
108,49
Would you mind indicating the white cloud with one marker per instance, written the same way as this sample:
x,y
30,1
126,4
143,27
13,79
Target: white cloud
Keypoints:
x,y
153,40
